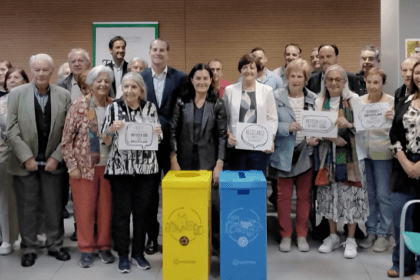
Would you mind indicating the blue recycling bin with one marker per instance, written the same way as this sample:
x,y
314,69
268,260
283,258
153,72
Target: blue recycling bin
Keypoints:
x,y
243,225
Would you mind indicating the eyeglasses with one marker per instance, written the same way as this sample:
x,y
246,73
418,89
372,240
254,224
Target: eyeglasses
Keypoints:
x,y
337,80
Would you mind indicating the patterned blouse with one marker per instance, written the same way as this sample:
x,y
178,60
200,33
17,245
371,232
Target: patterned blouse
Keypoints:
x,y
130,162
4,140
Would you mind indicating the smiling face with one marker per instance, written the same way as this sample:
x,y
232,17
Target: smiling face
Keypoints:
x,y
334,82
327,57
416,76
374,84
315,60
368,61
216,69
132,92
15,79
201,81
118,51
78,63
3,71
260,56
249,72
407,70
158,53
100,85
290,54
41,73
296,80
137,66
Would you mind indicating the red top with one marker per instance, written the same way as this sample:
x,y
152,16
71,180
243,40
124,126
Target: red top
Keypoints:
x,y
223,85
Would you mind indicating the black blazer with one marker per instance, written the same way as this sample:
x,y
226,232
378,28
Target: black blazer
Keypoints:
x,y
112,90
400,181
399,94
212,143
314,83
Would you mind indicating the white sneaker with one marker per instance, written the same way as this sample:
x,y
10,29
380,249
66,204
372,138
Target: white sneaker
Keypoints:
x,y
330,243
285,244
5,248
350,251
368,241
303,245
381,244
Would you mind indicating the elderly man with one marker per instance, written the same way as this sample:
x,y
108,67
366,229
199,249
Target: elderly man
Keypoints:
x,y
291,52
369,58
315,60
63,71
218,83
36,114
161,81
406,73
137,65
118,65
328,55
266,76
79,61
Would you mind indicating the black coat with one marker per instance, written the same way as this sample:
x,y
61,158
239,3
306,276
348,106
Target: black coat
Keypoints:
x,y
314,83
213,137
399,94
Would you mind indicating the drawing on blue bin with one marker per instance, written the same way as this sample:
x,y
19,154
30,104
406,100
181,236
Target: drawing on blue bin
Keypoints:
x,y
184,222
243,226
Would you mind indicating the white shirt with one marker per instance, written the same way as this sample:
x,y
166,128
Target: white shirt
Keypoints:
x,y
75,93
297,107
117,73
159,84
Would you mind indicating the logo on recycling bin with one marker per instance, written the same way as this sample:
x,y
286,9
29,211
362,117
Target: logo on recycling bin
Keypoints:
x,y
243,226
184,225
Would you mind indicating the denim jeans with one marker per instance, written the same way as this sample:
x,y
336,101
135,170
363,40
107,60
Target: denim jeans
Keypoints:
x,y
378,177
410,264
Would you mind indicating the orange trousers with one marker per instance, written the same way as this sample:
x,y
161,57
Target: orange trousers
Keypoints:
x,y
92,203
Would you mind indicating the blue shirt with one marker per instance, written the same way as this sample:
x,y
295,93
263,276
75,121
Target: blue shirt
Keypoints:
x,y
271,79
159,84
42,98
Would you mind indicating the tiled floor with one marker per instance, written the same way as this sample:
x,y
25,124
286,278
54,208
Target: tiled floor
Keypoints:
x,y
294,265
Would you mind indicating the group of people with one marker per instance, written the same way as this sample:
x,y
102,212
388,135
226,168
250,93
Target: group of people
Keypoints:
x,y
56,136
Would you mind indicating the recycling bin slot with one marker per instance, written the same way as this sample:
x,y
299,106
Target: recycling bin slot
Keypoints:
x,y
241,175
243,192
187,175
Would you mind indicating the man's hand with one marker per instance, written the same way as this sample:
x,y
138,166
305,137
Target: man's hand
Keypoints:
x,y
52,164
30,164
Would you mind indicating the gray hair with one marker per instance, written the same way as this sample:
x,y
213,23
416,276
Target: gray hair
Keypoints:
x,y
95,71
347,93
78,50
138,79
135,59
61,70
42,57
372,49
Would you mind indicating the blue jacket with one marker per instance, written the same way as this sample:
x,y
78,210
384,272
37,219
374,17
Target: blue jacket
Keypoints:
x,y
281,159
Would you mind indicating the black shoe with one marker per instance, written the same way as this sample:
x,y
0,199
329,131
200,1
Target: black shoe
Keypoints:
x,y
28,259
73,237
151,247
66,214
61,255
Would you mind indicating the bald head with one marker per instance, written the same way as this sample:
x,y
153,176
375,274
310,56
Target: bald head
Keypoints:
x,y
407,69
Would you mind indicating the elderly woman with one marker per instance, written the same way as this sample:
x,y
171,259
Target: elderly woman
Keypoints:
x,y
404,136
81,82
8,212
86,157
291,157
5,65
249,101
136,65
341,195
133,173
198,132
378,164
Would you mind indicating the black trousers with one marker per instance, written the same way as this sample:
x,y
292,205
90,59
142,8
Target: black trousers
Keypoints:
x,y
132,195
39,190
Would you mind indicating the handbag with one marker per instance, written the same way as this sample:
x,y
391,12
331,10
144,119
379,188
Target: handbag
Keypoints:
x,y
301,161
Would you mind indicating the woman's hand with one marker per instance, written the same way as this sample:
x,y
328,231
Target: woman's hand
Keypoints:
x,y
342,122
313,141
115,126
157,130
270,151
216,171
337,141
75,173
389,114
174,162
414,170
294,126
231,138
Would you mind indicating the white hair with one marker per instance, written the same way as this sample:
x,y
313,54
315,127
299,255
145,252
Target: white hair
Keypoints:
x,y
41,57
95,71
61,70
346,93
146,65
78,50
138,79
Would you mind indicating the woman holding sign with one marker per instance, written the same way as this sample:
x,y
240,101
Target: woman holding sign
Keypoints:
x,y
404,134
250,102
86,156
292,154
378,163
131,169
341,194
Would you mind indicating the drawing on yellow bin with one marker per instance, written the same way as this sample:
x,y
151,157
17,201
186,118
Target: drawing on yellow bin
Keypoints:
x,y
184,225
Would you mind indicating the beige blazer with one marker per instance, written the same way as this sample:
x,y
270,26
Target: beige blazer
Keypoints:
x,y
21,126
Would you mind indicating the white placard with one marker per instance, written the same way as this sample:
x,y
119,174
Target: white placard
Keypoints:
x,y
251,136
138,136
371,116
319,124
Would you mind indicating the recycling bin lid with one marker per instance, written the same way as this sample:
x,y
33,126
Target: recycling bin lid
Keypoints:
x,y
252,179
187,179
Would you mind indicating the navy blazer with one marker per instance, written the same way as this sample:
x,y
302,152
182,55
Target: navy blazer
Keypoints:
x,y
314,83
173,80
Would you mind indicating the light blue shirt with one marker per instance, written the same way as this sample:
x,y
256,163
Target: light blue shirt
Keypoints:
x,y
281,72
159,84
42,98
271,79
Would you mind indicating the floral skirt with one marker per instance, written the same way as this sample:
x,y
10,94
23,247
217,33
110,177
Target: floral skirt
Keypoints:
x,y
342,202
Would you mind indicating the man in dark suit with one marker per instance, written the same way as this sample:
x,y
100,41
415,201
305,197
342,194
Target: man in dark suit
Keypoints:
x,y
328,55
117,64
36,115
161,81
406,73
369,58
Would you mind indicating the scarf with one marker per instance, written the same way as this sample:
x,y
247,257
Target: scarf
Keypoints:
x,y
345,167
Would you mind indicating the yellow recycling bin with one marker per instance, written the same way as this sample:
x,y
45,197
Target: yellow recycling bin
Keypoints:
x,y
186,211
